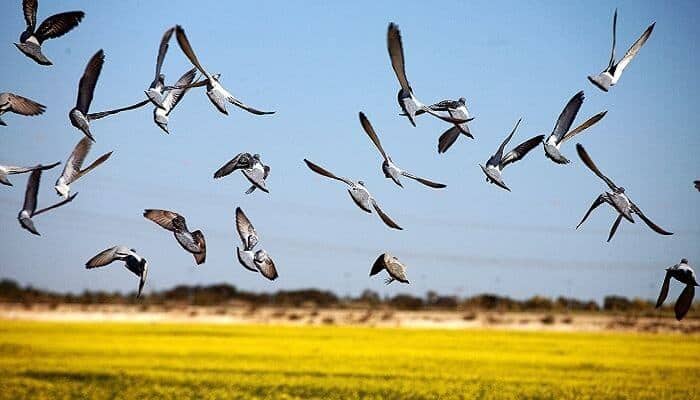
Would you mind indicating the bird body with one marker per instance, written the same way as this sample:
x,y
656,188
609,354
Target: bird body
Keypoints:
x,y
132,261
684,274
392,265
250,259
55,26
192,242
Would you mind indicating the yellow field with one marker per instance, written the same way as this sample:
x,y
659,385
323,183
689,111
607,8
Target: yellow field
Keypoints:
x,y
41,360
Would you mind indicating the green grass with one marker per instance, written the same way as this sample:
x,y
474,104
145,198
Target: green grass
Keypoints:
x,y
179,361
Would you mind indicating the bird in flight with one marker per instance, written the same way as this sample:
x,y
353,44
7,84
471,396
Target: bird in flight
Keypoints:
x,y
132,261
55,26
391,170
192,242
616,198
173,96
73,169
252,168
612,73
10,102
155,90
495,165
561,132
256,261
6,170
392,265
683,274
29,210
359,194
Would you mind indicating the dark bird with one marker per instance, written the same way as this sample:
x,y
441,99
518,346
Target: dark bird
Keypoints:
x,y
29,210
392,265
561,132
613,72
73,169
683,274
252,260
616,198
192,242
132,261
497,162
155,91
252,168
10,102
55,26
359,194
391,170
216,93
407,100
697,185
6,170
79,116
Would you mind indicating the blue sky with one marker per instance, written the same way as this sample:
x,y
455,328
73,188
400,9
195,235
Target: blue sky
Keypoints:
x,y
318,64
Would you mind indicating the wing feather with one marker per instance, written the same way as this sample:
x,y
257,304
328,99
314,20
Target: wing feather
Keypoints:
x,y
88,81
58,25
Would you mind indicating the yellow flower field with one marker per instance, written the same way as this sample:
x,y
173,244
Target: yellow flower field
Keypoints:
x,y
46,360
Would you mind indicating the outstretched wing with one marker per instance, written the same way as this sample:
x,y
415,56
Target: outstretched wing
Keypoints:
x,y
163,50
387,220
567,116
187,49
649,222
246,107
614,35
169,220
240,161
244,227
98,115
29,7
321,171
108,256
379,264
393,38
600,200
664,290
31,192
58,25
583,154
372,134
88,81
684,302
24,106
587,124
521,151
173,96
59,204
426,182
498,157
632,52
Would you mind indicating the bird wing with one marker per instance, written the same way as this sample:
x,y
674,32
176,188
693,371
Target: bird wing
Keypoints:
x,y
71,170
244,227
169,220
583,154
246,107
163,50
186,48
173,96
59,204
567,116
596,203
88,81
397,270
379,264
664,290
649,222
587,124
240,161
632,52
521,151
266,267
29,7
321,171
200,257
11,170
102,114
685,300
31,192
393,38
387,220
106,257
257,178
58,25
496,158
615,224
611,63
372,134
142,279
426,182
24,106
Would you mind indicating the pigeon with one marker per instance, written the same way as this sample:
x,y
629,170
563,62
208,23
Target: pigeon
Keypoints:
x,y
132,261
29,210
155,91
359,194
392,265
683,274
72,170
495,164
173,96
55,26
6,170
256,261
10,102
252,168
455,109
616,198
611,75
561,132
216,93
391,170
407,100
193,242
79,116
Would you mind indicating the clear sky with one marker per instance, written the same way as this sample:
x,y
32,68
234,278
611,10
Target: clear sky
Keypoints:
x,y
318,64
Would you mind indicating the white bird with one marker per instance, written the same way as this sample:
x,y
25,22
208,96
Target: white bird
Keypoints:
x,y
132,261
217,94
612,73
392,265
252,260
359,194
6,170
29,210
73,169
155,91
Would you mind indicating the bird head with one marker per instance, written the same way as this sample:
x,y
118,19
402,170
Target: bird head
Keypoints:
x,y
684,261
462,100
62,189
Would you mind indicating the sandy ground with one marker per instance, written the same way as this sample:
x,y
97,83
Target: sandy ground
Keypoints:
x,y
244,314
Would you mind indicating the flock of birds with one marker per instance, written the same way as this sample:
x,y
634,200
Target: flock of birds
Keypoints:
x,y
164,98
